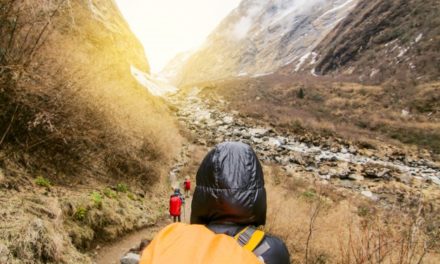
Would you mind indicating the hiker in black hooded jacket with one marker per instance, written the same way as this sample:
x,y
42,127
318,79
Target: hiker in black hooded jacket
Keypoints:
x,y
230,195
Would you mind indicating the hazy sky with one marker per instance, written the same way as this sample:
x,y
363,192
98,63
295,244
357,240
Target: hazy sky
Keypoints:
x,y
167,27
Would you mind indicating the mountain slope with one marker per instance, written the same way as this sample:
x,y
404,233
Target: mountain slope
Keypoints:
x,y
83,146
381,39
259,37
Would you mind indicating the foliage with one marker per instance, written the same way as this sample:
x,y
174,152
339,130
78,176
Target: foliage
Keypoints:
x,y
43,182
122,187
96,199
80,213
110,193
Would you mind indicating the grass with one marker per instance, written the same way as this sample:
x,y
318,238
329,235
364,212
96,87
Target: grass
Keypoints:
x,y
122,188
110,193
43,182
71,116
80,213
321,224
332,108
81,119
96,198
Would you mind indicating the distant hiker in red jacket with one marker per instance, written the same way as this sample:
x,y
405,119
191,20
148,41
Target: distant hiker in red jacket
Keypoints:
x,y
187,187
176,201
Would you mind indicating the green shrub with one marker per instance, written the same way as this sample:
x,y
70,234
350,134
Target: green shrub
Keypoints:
x,y
43,182
80,213
122,187
96,199
110,193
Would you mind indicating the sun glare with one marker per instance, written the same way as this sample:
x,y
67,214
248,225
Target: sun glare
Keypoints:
x,y
167,27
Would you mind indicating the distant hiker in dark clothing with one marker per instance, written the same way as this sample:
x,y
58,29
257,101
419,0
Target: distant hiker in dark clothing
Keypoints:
x,y
230,199
176,202
187,187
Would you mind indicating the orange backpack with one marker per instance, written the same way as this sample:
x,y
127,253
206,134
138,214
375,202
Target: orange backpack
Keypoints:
x,y
195,244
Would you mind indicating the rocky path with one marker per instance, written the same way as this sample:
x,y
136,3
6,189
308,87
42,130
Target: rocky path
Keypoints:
x,y
329,160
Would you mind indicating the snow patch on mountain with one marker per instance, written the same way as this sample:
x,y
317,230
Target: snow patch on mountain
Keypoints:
x,y
302,60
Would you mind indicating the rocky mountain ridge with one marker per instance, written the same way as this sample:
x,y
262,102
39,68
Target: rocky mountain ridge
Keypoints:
x,y
259,37
366,41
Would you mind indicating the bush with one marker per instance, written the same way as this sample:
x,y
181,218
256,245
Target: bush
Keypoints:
x,y
96,199
80,213
110,193
43,182
122,187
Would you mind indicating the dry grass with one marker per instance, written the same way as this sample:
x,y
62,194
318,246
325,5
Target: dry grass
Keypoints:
x,y
71,112
349,110
85,114
321,224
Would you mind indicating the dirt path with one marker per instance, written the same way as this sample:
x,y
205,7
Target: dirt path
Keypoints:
x,y
112,253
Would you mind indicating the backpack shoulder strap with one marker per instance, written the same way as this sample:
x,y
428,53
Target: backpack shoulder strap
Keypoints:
x,y
249,238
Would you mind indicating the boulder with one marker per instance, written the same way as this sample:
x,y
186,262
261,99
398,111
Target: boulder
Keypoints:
x,y
131,258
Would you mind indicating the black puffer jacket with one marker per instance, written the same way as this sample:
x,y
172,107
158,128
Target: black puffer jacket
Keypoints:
x,y
230,195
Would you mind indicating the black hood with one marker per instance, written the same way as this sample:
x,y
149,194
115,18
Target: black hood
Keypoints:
x,y
230,187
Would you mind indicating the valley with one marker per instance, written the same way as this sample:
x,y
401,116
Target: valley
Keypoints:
x,y
339,99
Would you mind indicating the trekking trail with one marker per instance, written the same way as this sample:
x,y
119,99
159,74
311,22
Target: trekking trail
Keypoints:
x,y
111,253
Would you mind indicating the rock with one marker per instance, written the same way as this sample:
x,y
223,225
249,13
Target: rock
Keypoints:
x,y
257,140
258,132
385,173
130,258
335,149
435,180
323,171
344,175
228,120
403,178
245,135
355,177
275,143
369,195
352,150
374,173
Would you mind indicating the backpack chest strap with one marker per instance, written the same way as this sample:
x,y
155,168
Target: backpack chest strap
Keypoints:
x,y
249,238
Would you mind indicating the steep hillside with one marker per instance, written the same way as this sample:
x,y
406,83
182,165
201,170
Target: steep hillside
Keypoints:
x,y
259,37
363,69
382,39
83,146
